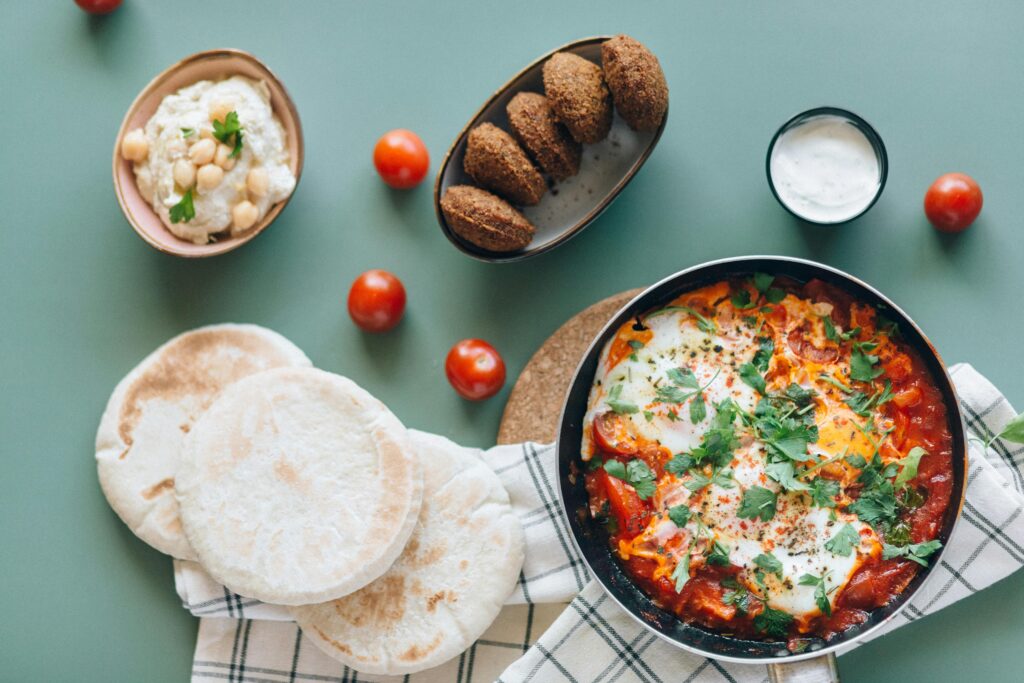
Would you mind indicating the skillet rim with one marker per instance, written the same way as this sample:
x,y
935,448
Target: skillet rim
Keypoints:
x,y
774,652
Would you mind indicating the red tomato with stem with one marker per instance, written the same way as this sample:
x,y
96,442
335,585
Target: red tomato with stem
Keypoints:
x,y
475,369
401,159
376,301
98,6
953,202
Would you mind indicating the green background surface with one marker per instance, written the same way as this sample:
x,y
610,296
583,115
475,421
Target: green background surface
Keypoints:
x,y
84,299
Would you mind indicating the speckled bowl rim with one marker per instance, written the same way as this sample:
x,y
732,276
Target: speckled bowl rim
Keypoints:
x,y
230,244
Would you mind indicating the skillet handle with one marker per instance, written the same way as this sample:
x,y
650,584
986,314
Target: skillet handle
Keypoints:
x,y
817,670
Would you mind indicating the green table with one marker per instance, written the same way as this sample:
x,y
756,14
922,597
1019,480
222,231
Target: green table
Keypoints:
x,y
84,299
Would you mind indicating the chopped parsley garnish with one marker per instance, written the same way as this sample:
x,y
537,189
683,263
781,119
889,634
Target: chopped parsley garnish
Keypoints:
x,y
876,505
820,593
636,473
785,473
844,541
703,324
773,622
758,502
636,346
915,552
224,130
737,596
909,465
862,362
824,492
648,415
1013,431
764,353
763,284
832,334
752,377
617,404
679,514
188,132
769,563
741,299
719,477
719,555
698,409
185,210
681,574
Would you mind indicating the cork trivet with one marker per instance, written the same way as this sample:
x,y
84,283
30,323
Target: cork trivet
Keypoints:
x,y
535,403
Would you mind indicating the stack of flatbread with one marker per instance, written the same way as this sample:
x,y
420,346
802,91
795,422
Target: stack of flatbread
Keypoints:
x,y
394,550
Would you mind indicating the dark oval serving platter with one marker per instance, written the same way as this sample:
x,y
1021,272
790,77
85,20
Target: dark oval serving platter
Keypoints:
x,y
570,205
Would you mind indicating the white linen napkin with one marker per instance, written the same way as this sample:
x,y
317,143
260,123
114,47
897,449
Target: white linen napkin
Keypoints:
x,y
593,639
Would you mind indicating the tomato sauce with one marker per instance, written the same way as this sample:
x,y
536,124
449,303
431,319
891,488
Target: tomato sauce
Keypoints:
x,y
919,417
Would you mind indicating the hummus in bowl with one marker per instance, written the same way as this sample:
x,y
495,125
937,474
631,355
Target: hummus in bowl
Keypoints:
x,y
208,154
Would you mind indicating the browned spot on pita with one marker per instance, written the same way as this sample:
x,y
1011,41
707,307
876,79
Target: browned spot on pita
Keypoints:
x,y
341,647
427,557
185,427
394,465
159,488
174,526
447,596
381,604
194,366
417,653
464,565
286,473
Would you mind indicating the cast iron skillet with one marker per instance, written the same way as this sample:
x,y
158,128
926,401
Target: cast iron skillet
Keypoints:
x,y
817,663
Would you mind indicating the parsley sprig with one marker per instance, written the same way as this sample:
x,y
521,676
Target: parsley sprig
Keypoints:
x,y
228,128
636,473
184,210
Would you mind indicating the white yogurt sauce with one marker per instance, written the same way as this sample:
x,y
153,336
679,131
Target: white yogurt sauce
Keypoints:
x,y
825,169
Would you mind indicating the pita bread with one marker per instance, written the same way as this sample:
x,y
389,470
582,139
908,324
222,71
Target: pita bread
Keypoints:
x,y
297,486
448,585
138,444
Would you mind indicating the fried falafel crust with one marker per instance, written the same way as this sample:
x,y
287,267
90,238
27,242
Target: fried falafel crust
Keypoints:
x,y
576,90
636,81
496,162
486,220
535,126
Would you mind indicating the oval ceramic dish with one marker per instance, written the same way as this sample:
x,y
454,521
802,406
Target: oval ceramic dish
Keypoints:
x,y
570,205
208,65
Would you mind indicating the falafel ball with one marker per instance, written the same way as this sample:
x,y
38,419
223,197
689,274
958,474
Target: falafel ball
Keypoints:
x,y
636,80
535,126
578,95
497,163
484,219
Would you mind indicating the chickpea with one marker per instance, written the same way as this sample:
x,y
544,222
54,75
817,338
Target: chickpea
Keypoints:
x,y
223,157
244,215
220,109
184,173
134,146
206,134
202,152
209,176
258,182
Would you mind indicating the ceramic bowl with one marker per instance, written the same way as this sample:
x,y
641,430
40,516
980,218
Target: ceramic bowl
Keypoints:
x,y
570,205
208,65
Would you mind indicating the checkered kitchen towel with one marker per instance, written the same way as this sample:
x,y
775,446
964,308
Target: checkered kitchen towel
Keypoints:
x,y
593,639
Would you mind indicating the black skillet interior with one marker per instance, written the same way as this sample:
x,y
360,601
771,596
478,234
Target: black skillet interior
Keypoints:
x,y
592,539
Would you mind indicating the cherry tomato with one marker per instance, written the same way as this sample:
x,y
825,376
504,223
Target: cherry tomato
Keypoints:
x,y
475,369
98,6
612,435
953,202
401,159
625,504
376,301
